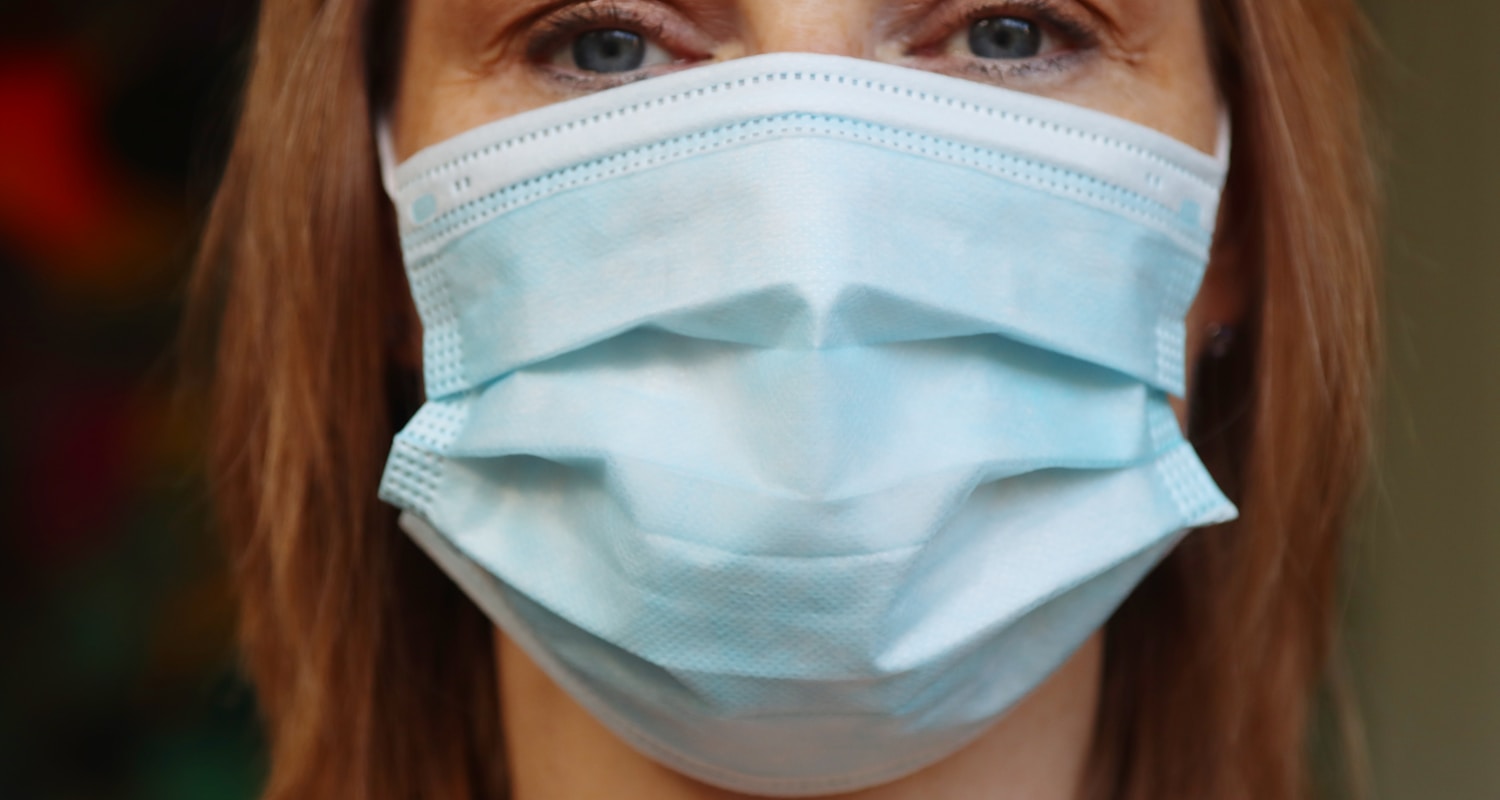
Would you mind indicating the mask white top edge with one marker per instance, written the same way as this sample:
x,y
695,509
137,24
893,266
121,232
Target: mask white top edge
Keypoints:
x,y
557,135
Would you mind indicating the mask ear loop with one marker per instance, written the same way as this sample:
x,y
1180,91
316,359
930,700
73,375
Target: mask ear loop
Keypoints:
x,y
385,148
1224,143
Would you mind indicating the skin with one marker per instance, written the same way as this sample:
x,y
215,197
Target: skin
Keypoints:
x,y
468,62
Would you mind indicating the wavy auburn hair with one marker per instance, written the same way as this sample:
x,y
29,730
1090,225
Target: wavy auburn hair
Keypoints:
x,y
376,677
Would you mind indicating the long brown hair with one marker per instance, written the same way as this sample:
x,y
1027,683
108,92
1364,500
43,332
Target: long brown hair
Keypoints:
x,y
376,676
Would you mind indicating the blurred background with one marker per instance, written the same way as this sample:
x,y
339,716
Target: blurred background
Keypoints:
x,y
117,677
117,672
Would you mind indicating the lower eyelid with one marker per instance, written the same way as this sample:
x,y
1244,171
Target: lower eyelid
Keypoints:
x,y
1011,69
1037,67
577,81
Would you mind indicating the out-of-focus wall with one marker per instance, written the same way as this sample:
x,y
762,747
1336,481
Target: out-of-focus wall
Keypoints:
x,y
118,678
1425,638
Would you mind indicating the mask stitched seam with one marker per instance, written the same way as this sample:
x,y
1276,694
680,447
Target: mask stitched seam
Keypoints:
x,y
442,343
1172,477
920,150
437,424
453,221
1198,488
1171,339
783,125
1186,484
807,76
412,477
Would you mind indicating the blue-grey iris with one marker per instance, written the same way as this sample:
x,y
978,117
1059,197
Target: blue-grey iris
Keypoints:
x,y
1005,37
609,50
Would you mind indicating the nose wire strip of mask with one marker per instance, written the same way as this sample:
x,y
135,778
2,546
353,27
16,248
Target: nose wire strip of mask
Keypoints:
x,y
390,163
1113,152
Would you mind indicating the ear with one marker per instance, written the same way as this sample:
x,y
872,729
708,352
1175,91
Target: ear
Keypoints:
x,y
1224,298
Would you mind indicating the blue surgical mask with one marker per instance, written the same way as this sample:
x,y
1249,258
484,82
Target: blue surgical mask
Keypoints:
x,y
799,414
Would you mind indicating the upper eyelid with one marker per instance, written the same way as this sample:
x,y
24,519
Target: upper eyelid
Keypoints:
x,y
667,33
577,18
660,23
932,29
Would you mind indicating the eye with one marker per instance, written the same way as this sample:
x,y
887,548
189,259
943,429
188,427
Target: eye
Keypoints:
x,y
610,51
1010,38
1035,43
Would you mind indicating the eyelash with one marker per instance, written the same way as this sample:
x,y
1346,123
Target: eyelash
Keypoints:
x,y
556,30
1077,37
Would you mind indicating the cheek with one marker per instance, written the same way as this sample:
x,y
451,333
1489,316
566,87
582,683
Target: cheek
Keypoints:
x,y
450,81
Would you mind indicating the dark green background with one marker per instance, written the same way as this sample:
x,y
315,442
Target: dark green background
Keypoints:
x,y
1425,616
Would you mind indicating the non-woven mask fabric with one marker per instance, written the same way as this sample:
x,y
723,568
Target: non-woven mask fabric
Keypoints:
x,y
799,414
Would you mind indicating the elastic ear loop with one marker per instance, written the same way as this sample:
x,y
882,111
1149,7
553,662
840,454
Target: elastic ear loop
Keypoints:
x,y
1225,140
385,147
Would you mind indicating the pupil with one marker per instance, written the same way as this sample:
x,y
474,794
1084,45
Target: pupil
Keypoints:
x,y
609,50
1005,37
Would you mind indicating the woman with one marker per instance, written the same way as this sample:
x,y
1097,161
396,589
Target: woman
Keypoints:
x,y
380,677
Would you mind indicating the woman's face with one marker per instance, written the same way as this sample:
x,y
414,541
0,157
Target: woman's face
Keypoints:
x,y
469,62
